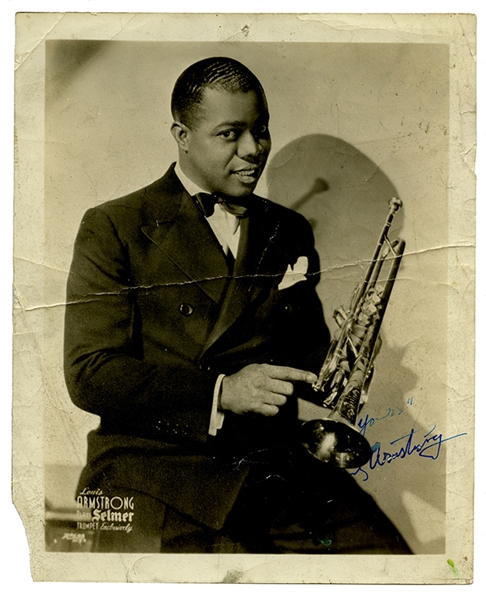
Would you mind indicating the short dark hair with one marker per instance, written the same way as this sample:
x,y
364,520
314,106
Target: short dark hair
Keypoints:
x,y
217,73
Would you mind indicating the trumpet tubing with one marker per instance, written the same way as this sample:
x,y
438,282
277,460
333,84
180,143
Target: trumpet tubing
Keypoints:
x,y
346,372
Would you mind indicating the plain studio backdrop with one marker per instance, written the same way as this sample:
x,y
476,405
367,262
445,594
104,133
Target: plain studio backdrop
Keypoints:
x,y
352,125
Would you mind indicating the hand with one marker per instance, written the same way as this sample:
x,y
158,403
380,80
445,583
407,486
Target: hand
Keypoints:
x,y
260,389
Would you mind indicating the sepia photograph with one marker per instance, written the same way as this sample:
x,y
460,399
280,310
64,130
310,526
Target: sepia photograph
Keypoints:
x,y
244,297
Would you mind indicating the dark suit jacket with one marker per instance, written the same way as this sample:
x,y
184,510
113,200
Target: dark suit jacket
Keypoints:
x,y
153,317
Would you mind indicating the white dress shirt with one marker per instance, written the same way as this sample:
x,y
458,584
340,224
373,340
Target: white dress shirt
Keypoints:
x,y
225,226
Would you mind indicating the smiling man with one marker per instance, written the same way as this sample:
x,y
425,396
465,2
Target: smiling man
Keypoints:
x,y
191,317
225,140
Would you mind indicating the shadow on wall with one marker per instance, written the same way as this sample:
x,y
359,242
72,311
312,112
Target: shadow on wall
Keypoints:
x,y
66,58
344,195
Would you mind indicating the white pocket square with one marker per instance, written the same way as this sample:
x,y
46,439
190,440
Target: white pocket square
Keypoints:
x,y
295,274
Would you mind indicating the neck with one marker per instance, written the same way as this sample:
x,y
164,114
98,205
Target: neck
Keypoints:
x,y
188,173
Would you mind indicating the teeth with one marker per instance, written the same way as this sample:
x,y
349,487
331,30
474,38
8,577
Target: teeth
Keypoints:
x,y
246,173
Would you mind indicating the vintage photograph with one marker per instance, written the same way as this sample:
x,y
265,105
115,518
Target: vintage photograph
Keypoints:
x,y
245,297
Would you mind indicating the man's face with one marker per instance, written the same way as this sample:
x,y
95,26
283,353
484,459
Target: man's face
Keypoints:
x,y
227,146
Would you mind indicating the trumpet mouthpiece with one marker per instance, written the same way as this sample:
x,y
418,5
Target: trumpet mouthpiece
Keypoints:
x,y
395,204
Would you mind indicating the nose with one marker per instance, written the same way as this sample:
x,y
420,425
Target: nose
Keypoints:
x,y
249,145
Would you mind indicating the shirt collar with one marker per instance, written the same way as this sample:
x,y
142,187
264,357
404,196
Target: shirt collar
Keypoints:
x,y
189,185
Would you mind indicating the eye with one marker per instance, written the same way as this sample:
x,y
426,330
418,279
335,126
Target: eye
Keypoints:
x,y
261,131
228,134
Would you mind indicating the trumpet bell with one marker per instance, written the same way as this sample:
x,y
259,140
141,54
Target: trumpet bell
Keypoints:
x,y
335,443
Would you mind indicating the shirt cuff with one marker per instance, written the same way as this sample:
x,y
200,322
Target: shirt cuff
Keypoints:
x,y
217,416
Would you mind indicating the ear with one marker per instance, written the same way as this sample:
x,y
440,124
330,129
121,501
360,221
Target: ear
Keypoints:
x,y
180,133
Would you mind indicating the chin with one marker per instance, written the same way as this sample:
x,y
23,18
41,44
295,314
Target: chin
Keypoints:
x,y
241,191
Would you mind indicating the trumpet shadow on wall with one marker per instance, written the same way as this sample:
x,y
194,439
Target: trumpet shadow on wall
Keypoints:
x,y
344,195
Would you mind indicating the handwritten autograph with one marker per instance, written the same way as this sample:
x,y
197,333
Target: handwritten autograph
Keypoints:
x,y
430,447
368,421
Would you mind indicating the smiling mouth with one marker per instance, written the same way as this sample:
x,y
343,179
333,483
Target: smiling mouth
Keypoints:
x,y
248,172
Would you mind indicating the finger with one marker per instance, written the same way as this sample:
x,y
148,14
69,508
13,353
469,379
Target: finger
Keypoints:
x,y
290,374
275,399
285,388
268,410
269,405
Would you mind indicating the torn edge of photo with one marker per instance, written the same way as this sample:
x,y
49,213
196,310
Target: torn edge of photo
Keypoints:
x,y
211,212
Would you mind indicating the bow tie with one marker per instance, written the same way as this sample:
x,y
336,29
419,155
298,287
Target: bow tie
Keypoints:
x,y
206,203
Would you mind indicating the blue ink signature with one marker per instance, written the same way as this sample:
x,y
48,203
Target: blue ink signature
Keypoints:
x,y
368,421
430,447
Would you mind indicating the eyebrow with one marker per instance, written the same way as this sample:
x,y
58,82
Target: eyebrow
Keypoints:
x,y
231,124
237,123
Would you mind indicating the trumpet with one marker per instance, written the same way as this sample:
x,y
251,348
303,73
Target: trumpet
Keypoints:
x,y
346,373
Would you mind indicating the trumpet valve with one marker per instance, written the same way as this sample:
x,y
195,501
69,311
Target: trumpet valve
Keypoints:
x,y
340,316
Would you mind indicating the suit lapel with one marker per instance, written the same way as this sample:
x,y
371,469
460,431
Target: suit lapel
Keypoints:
x,y
182,233
256,254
